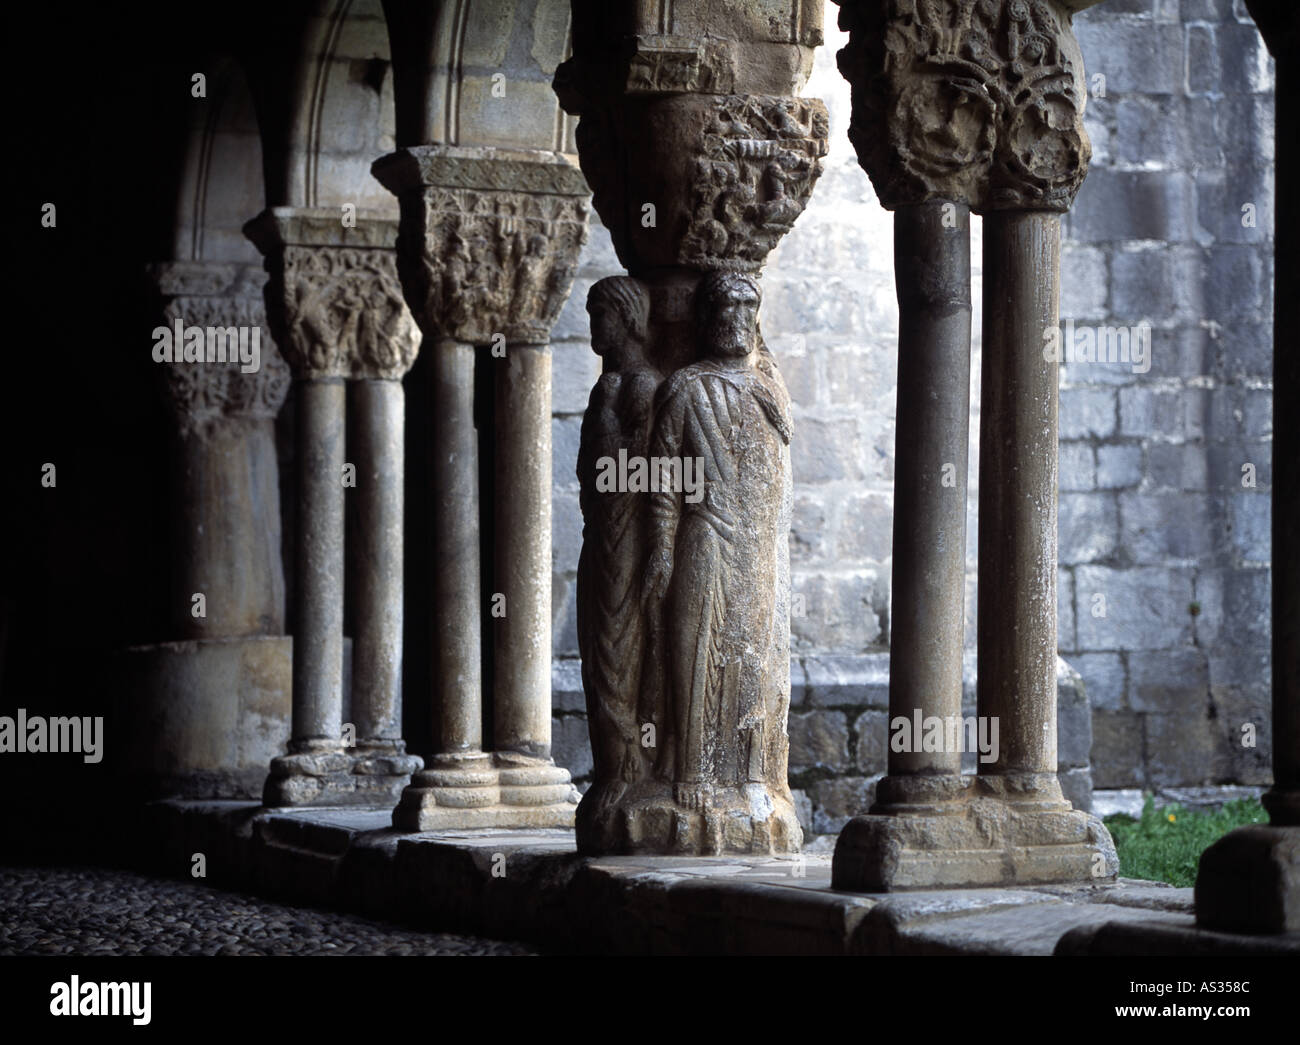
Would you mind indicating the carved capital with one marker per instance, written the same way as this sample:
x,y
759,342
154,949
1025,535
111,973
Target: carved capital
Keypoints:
x,y
975,101
333,297
224,298
489,238
704,181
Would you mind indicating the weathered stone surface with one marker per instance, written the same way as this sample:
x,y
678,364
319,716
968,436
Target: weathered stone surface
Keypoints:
x,y
489,238
977,104
1249,881
981,842
683,611
205,716
333,298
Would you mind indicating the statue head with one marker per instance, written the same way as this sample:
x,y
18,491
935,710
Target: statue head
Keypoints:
x,y
726,313
620,311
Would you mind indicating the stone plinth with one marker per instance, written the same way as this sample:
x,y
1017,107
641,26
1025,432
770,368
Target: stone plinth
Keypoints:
x,y
205,716
973,842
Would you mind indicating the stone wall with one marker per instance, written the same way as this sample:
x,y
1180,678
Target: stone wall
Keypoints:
x,y
1149,515
1155,518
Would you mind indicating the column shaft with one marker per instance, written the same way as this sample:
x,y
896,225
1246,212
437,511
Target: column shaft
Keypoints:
x,y
1283,801
318,635
230,518
522,655
457,599
1017,522
379,416
932,266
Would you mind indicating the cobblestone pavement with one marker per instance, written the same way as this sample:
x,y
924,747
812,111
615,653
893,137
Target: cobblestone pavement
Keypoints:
x,y
82,911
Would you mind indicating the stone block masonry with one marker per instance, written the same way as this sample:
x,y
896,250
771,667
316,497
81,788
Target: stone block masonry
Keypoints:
x,y
1164,528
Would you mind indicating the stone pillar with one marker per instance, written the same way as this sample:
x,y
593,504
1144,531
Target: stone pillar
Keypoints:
x,y
701,157
1249,881
226,471
334,301
488,248
205,710
960,107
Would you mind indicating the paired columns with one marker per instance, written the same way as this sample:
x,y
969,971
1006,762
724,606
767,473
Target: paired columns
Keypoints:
x,y
960,108
1249,881
487,252
335,305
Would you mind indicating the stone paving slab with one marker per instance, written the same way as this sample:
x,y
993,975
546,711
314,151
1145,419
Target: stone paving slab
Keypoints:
x,y
533,885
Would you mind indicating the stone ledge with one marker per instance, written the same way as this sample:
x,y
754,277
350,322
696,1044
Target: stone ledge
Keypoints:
x,y
532,885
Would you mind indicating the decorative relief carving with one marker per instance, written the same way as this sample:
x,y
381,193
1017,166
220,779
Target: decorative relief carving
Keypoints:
x,y
755,168
489,238
339,312
727,175
674,64
486,263
977,101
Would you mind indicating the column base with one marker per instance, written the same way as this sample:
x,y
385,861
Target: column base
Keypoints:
x,y
656,817
973,842
1249,881
373,774
487,790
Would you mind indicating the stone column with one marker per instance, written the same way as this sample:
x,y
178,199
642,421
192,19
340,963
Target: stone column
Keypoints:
x,y
487,251
457,598
521,720
203,710
959,106
226,471
386,347
1016,682
334,301
932,271
1249,881
701,157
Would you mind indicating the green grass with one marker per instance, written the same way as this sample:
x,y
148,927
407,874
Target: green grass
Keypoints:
x,y
1165,845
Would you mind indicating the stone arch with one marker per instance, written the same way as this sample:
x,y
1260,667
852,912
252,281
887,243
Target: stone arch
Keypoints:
x,y
458,60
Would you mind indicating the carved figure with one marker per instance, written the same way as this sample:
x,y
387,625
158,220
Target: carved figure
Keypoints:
x,y
712,563
612,626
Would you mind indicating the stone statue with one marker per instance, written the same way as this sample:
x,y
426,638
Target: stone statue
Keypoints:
x,y
683,586
612,628
713,563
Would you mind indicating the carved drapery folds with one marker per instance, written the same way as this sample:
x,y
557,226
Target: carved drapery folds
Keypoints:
x,y
974,101
700,158
333,296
